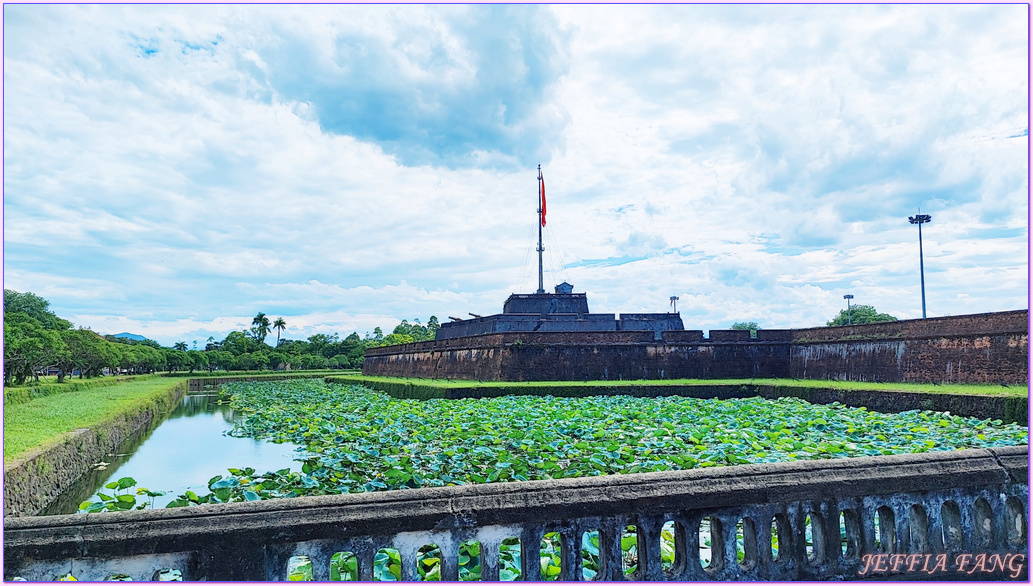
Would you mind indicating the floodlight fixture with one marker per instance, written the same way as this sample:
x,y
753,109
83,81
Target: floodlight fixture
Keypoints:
x,y
921,219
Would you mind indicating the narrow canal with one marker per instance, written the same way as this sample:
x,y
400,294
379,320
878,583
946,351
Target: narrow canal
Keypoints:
x,y
182,453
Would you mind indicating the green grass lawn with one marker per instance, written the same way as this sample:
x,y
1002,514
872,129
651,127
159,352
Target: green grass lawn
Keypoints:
x,y
989,389
42,421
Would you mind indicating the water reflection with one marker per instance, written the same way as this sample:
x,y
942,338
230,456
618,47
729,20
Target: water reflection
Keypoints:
x,y
180,454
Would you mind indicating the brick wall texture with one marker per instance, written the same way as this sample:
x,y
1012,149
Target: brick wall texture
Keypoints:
x,y
981,348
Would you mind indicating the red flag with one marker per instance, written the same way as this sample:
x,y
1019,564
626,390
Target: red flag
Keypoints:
x,y
543,200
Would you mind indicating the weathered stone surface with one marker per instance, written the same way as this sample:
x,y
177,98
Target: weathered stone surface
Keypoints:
x,y
562,311
546,303
983,348
536,356
253,541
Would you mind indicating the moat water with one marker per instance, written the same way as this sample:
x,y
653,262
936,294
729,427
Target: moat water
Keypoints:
x,y
180,454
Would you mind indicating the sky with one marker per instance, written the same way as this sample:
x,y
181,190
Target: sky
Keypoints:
x,y
171,171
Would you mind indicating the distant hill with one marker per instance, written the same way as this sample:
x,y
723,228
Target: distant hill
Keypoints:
x,y
136,337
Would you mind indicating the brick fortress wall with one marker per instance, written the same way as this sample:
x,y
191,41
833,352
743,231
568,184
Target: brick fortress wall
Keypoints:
x,y
981,348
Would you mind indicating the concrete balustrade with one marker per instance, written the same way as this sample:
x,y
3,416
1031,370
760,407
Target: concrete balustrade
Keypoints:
x,y
952,503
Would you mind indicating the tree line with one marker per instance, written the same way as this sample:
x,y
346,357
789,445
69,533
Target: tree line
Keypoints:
x,y
37,341
246,350
856,315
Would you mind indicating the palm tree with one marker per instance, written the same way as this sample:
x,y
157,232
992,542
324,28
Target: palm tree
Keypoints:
x,y
260,325
279,325
180,346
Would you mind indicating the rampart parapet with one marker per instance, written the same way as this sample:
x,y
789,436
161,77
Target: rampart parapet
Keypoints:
x,y
978,348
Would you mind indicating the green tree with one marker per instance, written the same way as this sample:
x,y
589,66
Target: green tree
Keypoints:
x,y
317,343
152,359
93,353
393,339
260,327
130,358
66,365
178,360
35,307
279,325
861,314
356,356
750,326
250,361
404,328
198,360
261,359
141,359
89,353
278,360
318,362
295,347
29,348
181,346
220,359
236,343
417,331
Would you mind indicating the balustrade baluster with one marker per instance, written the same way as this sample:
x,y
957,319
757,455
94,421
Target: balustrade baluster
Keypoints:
x,y
450,558
866,518
610,554
568,553
408,556
750,560
530,554
490,559
681,547
649,564
364,560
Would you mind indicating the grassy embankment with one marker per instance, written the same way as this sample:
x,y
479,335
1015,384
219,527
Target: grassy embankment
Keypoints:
x,y
39,414
15,395
958,389
42,421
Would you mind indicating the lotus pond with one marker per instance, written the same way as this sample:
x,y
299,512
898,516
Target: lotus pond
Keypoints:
x,y
358,440
180,454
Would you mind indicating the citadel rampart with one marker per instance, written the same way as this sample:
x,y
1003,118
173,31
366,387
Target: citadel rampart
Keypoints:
x,y
979,348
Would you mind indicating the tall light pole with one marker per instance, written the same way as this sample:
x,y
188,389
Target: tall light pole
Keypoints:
x,y
921,219
848,297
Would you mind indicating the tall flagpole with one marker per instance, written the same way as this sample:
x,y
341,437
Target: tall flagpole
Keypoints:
x,y
541,285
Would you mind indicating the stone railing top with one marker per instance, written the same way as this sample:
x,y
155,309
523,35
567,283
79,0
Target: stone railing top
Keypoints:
x,y
497,503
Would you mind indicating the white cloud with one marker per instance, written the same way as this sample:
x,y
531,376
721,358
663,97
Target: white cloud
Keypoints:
x,y
163,167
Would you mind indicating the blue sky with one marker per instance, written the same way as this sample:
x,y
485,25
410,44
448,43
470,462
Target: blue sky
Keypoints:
x,y
173,170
